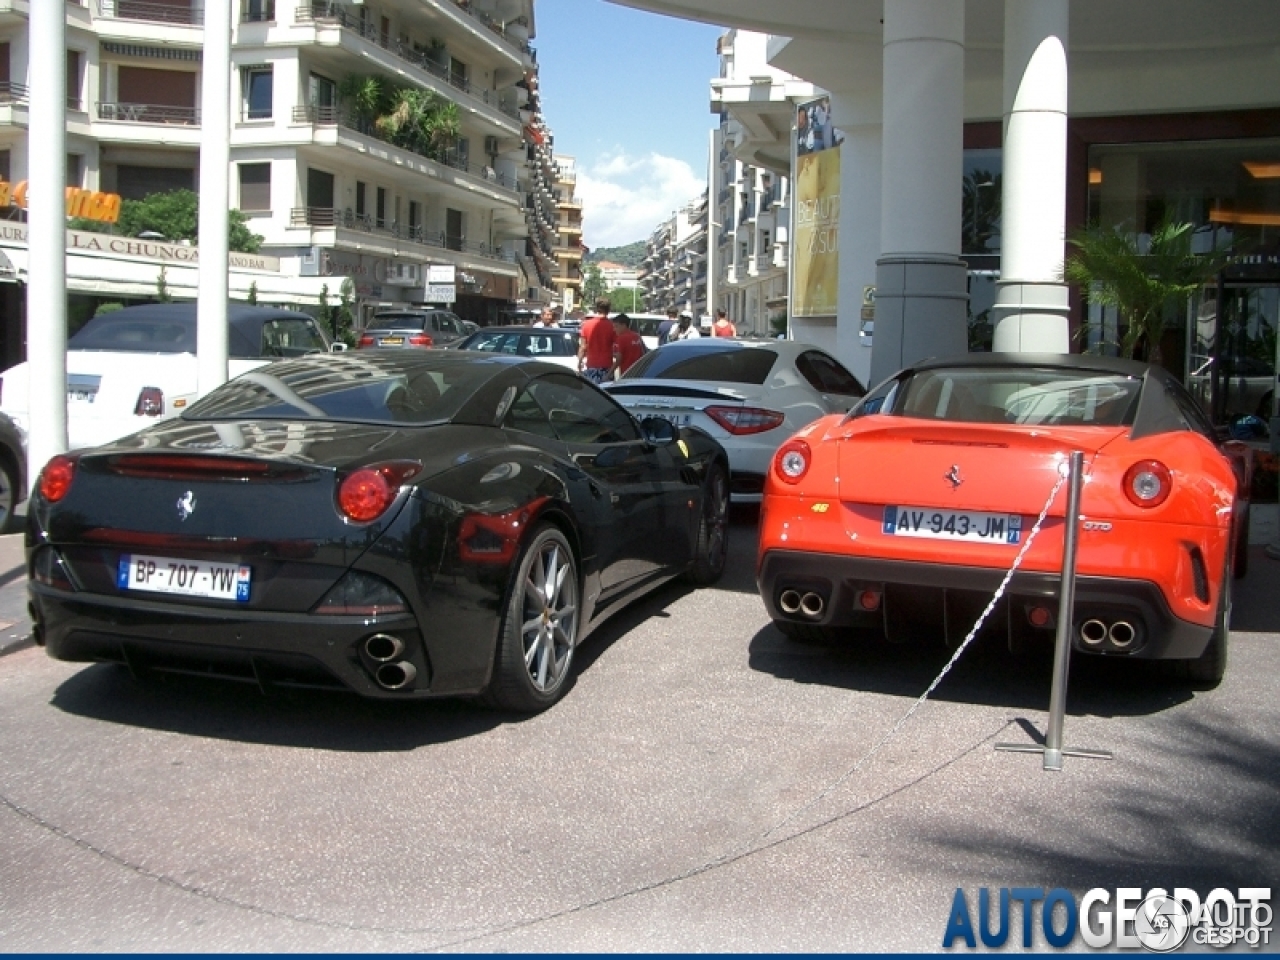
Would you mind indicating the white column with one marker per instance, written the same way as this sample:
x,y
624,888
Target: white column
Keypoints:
x,y
47,237
921,282
215,163
1032,307
713,231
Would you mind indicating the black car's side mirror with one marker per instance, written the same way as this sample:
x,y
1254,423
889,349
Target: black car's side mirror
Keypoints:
x,y
659,431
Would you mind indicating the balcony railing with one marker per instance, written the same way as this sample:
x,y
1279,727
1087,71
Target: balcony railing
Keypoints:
x,y
192,15
336,116
322,11
149,113
12,92
330,217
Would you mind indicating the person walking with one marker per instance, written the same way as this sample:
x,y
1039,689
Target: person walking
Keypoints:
x,y
687,330
596,343
667,325
628,346
722,327
548,318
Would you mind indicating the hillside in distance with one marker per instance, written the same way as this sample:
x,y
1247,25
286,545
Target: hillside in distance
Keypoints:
x,y
629,255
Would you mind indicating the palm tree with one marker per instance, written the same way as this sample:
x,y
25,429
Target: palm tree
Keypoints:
x,y
1108,266
367,95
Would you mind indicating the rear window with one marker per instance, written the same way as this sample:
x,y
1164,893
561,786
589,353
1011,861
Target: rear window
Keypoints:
x,y
359,390
399,321
1032,396
289,337
733,365
135,336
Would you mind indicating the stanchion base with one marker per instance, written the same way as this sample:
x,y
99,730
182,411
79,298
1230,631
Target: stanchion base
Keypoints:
x,y
1053,758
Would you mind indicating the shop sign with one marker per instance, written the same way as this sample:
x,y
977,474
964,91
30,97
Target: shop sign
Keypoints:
x,y
89,204
440,293
441,273
81,241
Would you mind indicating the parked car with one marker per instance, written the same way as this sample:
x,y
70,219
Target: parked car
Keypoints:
x,y
413,328
552,344
1247,384
13,472
749,395
646,324
400,523
904,516
130,368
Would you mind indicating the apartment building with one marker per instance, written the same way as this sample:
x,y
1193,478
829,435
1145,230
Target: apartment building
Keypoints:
x,y
569,250
368,140
751,211
674,270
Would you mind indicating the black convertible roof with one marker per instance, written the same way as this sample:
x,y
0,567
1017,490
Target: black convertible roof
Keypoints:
x,y
1069,361
244,336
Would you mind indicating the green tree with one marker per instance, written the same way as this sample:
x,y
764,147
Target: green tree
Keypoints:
x,y
174,215
593,286
253,294
627,299
1110,269
162,287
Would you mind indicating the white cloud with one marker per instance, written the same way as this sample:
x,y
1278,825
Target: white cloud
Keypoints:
x,y
624,198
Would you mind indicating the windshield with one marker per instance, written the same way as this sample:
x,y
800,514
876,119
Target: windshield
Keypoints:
x,y
1025,395
359,389
399,321
731,365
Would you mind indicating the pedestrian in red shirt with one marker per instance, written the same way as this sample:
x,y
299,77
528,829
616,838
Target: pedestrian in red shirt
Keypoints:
x,y
629,347
595,346
723,327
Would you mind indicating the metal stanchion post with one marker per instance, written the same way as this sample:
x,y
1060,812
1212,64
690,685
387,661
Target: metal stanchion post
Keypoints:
x,y
1052,749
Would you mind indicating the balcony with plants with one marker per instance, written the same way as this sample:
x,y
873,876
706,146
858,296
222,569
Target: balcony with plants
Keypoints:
x,y
410,118
430,58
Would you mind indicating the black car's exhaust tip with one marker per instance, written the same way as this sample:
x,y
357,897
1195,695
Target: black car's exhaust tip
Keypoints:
x,y
396,676
383,647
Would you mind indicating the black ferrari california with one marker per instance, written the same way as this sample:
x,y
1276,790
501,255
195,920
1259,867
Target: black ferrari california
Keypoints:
x,y
403,524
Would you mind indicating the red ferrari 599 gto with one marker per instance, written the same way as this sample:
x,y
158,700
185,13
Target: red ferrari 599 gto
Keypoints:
x,y
904,515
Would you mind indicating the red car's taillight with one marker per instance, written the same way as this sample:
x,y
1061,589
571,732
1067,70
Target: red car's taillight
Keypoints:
x,y
744,420
56,477
150,402
792,460
366,341
1148,483
420,340
365,494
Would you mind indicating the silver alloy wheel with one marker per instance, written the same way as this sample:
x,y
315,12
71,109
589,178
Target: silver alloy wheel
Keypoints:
x,y
549,617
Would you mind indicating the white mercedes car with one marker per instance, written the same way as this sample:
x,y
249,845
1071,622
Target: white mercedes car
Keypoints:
x,y
750,395
132,367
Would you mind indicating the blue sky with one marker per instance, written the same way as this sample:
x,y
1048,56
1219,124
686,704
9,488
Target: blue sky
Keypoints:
x,y
627,94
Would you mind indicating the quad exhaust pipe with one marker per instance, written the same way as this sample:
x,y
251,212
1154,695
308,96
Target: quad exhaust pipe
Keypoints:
x,y
808,604
1119,635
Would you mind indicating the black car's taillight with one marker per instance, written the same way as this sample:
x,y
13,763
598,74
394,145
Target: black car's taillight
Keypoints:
x,y
55,478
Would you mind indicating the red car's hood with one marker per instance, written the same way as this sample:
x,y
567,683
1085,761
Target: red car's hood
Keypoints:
x,y
997,467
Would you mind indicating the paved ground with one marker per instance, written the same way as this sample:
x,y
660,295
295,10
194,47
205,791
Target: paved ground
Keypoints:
x,y
680,798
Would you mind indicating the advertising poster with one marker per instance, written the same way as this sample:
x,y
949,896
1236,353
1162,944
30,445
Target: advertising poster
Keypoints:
x,y
815,274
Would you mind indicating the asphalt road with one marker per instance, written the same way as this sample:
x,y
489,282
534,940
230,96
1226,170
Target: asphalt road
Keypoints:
x,y
693,792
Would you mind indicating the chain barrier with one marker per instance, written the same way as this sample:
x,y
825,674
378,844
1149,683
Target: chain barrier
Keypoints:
x,y
1063,474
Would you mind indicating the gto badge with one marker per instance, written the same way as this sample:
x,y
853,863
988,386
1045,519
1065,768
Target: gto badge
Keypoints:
x,y
186,505
953,477
1101,526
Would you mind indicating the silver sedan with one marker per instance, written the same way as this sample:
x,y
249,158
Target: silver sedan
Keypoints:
x,y
749,395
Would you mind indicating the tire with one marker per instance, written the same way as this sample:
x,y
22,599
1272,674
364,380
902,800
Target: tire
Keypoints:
x,y
538,633
712,549
1240,557
10,496
1206,671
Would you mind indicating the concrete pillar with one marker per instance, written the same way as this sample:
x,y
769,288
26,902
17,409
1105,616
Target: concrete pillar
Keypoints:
x,y
921,284
215,164
1031,306
47,238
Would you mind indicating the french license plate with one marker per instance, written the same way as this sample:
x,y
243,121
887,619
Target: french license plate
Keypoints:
x,y
82,387
934,524
678,419
392,341
81,396
188,578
